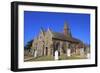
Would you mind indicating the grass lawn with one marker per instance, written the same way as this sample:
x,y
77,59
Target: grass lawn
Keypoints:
x,y
51,58
64,57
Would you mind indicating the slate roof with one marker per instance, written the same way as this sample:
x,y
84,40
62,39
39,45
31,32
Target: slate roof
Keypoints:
x,y
61,36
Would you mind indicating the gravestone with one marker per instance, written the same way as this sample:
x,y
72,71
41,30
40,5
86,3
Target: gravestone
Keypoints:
x,y
56,55
82,51
35,53
32,52
68,52
88,55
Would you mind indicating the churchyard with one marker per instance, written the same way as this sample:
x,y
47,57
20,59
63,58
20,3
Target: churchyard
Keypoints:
x,y
52,58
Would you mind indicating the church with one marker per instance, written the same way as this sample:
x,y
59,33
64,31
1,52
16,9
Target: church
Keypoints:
x,y
47,42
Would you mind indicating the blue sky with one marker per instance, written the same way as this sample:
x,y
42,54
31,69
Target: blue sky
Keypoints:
x,y
78,23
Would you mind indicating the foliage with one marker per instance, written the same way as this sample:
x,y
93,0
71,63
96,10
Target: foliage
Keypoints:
x,y
28,45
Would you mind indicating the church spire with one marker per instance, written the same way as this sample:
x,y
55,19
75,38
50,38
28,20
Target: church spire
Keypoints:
x,y
66,30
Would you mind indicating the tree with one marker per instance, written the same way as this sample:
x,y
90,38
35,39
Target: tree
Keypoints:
x,y
28,45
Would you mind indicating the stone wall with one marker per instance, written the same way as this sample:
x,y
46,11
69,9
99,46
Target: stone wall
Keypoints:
x,y
44,44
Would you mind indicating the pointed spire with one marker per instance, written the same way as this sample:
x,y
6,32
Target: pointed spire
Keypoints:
x,y
42,30
70,34
49,29
67,31
66,26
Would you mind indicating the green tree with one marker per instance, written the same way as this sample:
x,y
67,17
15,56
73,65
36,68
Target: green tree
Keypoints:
x,y
28,45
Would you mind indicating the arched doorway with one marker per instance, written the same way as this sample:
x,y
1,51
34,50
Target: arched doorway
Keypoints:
x,y
46,51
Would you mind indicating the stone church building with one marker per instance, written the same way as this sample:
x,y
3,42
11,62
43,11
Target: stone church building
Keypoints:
x,y
47,42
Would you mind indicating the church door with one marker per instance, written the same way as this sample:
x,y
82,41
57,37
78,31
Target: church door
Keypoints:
x,y
46,51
